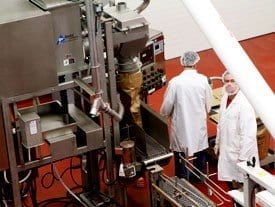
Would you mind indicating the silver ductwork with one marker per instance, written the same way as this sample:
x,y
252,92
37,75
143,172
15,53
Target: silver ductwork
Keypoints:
x,y
142,6
139,9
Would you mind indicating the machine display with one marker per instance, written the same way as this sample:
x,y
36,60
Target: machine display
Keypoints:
x,y
61,98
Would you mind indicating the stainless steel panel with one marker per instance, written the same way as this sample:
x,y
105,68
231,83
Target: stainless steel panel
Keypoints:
x,y
131,35
125,19
27,61
90,130
30,129
51,4
62,146
68,40
155,125
52,119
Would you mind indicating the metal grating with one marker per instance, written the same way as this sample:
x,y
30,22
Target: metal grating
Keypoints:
x,y
153,147
184,193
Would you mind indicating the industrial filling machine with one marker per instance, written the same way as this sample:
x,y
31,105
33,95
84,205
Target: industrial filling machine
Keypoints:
x,y
60,65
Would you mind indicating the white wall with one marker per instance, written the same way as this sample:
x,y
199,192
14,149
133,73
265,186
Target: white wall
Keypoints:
x,y
244,18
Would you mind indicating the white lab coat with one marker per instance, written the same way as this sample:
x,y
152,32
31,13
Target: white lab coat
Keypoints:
x,y
187,101
236,137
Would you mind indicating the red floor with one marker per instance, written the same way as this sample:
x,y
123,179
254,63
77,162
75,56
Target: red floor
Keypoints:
x,y
262,52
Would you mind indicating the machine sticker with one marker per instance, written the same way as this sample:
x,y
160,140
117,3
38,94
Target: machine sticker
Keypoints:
x,y
68,60
33,127
60,39
66,38
158,47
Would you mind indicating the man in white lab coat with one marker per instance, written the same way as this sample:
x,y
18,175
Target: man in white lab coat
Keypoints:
x,y
236,133
187,101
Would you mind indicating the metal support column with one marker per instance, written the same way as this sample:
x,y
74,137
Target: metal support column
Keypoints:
x,y
154,172
12,156
248,188
112,77
106,118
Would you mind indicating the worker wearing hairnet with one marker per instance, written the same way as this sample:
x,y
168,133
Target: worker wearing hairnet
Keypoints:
x,y
236,133
187,101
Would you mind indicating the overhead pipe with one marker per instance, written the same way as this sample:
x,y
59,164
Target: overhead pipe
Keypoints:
x,y
143,6
94,65
235,60
139,9
112,2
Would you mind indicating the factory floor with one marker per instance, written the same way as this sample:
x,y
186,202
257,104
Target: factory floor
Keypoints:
x,y
262,52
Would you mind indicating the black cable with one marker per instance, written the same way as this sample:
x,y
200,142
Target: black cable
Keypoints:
x,y
7,192
24,190
51,183
53,177
62,200
102,159
29,187
104,170
54,200
71,173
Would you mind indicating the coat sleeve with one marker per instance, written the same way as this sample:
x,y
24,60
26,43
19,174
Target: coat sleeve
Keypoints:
x,y
167,106
248,133
222,108
209,97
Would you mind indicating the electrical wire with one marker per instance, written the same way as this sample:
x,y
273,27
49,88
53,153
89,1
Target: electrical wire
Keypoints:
x,y
4,194
26,177
53,177
66,187
5,203
71,172
104,172
101,159
63,200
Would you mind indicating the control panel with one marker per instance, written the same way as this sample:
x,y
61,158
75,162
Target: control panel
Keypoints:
x,y
153,70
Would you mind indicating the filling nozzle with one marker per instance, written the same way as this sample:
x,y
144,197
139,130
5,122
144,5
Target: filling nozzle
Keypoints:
x,y
96,106
99,104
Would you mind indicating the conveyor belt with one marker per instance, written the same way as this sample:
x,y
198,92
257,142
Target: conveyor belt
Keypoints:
x,y
153,147
146,146
181,191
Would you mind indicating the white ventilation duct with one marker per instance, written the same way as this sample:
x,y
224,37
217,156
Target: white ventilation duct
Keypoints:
x,y
235,60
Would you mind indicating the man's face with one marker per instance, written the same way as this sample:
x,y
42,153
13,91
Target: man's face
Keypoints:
x,y
230,85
